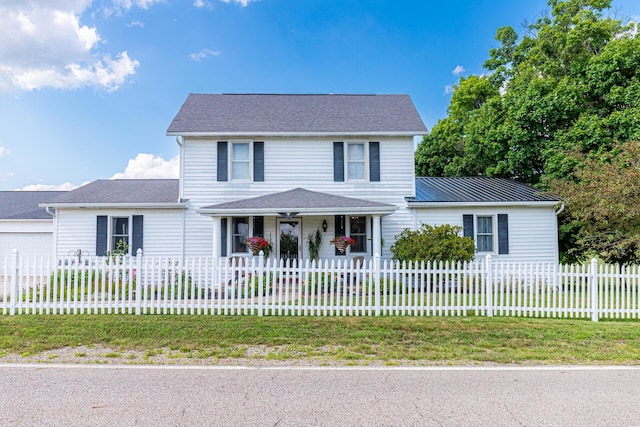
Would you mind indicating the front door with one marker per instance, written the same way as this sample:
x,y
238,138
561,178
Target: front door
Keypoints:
x,y
289,239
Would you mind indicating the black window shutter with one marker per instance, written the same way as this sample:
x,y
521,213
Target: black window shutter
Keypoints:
x,y
371,228
338,161
503,234
223,237
467,226
222,161
258,226
137,234
374,161
340,230
101,235
258,161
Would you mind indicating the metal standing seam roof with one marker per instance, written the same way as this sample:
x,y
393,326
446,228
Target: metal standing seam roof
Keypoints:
x,y
122,191
24,204
476,189
297,199
282,113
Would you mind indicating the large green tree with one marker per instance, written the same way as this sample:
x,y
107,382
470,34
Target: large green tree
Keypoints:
x,y
571,79
562,97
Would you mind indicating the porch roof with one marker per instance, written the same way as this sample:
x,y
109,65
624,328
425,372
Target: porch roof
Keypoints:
x,y
298,201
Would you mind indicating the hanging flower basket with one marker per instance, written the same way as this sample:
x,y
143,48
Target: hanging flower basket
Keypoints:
x,y
255,249
257,244
342,242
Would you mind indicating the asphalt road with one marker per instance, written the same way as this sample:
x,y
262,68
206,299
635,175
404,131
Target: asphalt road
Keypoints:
x,y
62,395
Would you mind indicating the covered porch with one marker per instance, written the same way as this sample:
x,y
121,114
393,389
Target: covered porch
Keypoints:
x,y
286,219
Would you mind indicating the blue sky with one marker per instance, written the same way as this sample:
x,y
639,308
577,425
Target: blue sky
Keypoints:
x,y
88,88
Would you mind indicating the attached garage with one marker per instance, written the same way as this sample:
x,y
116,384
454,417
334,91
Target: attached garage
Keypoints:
x,y
31,244
24,225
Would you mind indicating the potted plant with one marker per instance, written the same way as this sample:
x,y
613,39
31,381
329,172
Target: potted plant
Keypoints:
x,y
314,240
342,242
257,244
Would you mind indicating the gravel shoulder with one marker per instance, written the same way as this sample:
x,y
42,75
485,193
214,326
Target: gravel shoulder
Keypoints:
x,y
254,356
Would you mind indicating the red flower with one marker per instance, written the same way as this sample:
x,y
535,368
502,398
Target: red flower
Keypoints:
x,y
258,241
343,239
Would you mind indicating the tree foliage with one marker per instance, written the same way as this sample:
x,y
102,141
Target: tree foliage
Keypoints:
x,y
571,80
429,243
561,97
603,204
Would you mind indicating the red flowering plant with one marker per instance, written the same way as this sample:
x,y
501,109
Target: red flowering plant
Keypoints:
x,y
342,242
257,244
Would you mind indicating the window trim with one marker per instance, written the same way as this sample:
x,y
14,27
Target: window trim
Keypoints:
x,y
365,161
250,161
230,234
111,236
366,233
493,233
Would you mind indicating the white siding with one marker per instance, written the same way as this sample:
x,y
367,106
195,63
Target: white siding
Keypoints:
x,y
532,231
290,163
32,238
162,230
27,244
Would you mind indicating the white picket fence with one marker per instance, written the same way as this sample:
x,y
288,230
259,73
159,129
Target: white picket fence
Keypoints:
x,y
163,285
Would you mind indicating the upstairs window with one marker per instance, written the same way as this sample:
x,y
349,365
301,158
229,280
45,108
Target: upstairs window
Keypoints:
x,y
240,161
355,161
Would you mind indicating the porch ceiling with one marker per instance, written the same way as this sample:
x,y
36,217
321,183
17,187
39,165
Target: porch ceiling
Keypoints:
x,y
299,201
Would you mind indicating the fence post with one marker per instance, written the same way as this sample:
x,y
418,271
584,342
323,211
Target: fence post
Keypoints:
x,y
260,282
376,281
593,288
489,286
14,282
137,274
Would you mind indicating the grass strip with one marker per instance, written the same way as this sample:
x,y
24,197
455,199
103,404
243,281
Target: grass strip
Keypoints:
x,y
362,340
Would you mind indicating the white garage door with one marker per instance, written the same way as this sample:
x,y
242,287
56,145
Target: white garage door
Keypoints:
x,y
28,244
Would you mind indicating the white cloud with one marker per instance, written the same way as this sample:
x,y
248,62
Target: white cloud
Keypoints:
x,y
45,44
3,151
148,166
106,73
136,24
449,88
203,54
67,186
128,4
202,3
458,70
243,3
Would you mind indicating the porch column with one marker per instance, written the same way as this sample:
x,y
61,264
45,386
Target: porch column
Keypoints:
x,y
217,234
376,236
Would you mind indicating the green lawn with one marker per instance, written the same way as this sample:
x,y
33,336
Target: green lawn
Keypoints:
x,y
330,340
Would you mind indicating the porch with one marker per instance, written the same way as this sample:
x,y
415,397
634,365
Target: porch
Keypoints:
x,y
286,220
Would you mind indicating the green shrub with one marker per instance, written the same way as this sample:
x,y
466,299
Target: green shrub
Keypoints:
x,y
429,243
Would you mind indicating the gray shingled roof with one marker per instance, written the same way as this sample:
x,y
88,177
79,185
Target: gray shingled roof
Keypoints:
x,y
273,113
476,189
122,191
24,204
298,199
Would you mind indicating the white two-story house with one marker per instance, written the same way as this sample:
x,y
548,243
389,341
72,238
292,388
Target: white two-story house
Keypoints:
x,y
285,166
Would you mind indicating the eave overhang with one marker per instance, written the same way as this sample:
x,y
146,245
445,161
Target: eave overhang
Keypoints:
x,y
259,134
114,205
300,212
530,204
